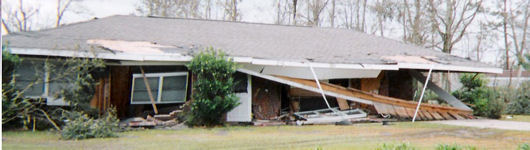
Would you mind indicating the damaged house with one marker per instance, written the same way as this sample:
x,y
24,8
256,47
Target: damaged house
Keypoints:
x,y
283,69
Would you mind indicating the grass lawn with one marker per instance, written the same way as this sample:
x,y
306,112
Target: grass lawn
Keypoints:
x,y
524,118
358,136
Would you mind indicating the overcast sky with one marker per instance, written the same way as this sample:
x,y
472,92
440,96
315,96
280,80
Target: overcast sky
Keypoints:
x,y
252,10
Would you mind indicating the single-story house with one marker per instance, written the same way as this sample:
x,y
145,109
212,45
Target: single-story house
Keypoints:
x,y
354,69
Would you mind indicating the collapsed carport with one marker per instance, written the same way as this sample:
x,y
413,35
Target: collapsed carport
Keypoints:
x,y
384,105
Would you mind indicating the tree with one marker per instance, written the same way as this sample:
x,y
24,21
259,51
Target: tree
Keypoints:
x,y
315,8
384,10
512,22
332,14
452,20
18,19
352,15
415,30
62,6
213,94
231,10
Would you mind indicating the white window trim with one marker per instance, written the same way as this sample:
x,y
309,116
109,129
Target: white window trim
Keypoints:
x,y
158,99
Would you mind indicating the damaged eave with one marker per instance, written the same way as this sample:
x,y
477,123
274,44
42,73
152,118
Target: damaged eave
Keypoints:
x,y
444,67
89,54
440,63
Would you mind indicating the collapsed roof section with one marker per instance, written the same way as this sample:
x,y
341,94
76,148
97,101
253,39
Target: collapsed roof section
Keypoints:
x,y
176,40
384,105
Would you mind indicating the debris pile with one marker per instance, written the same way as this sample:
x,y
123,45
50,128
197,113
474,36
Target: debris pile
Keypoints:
x,y
157,121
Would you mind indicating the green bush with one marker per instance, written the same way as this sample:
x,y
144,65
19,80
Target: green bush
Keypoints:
x,y
81,126
402,146
524,146
519,100
454,147
213,88
486,101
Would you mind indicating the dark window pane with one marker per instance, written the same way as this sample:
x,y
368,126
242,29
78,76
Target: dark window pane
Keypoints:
x,y
140,90
174,89
27,73
241,81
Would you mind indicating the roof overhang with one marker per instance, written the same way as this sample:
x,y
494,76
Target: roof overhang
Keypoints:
x,y
172,58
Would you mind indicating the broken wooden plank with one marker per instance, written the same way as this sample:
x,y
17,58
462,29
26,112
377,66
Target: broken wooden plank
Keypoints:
x,y
436,115
401,111
427,114
410,111
298,92
390,109
446,115
455,115
380,108
149,90
343,104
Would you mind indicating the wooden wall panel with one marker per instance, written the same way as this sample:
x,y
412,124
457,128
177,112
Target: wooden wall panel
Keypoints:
x,y
121,89
101,98
266,99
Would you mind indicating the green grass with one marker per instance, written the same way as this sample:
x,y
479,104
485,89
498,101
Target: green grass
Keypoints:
x,y
523,118
359,136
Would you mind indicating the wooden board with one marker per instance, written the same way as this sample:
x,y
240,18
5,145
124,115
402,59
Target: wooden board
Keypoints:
x,y
390,110
427,114
343,104
436,115
401,111
410,111
380,108
455,115
446,116
298,92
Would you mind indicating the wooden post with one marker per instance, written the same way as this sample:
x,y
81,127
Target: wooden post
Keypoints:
x,y
149,90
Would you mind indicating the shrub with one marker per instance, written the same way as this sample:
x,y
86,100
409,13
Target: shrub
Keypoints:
x,y
402,146
519,100
454,147
213,88
524,146
81,126
486,101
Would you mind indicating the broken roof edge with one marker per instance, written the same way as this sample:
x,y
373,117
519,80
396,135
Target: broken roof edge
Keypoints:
x,y
249,60
186,58
444,67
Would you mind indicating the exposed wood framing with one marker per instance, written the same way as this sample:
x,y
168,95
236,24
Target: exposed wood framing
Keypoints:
x,y
383,104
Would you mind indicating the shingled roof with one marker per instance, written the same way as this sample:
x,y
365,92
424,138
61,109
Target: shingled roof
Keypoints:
x,y
173,37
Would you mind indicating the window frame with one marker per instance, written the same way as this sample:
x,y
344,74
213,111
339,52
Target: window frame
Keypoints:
x,y
158,99
57,101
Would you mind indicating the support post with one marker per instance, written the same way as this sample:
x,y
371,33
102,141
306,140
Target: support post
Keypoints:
x,y
422,93
149,90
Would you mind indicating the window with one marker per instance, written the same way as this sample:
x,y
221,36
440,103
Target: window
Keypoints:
x,y
240,80
45,83
165,87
